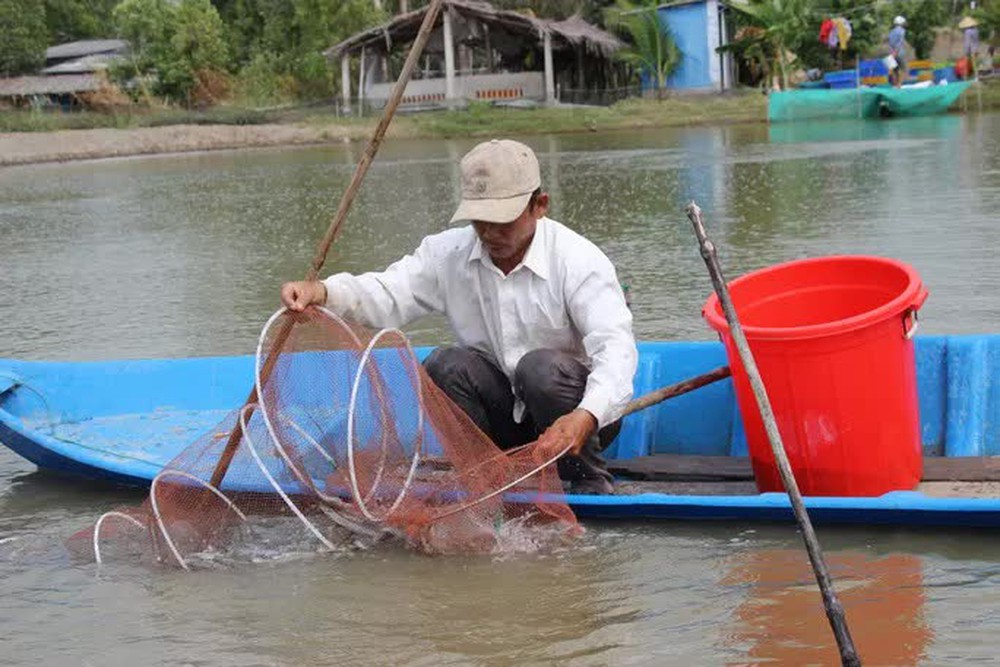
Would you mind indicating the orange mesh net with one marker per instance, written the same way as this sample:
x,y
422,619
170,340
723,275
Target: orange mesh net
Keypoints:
x,y
347,441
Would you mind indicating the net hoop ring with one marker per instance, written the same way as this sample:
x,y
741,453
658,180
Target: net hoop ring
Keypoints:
x,y
97,530
274,483
302,477
509,485
358,497
166,472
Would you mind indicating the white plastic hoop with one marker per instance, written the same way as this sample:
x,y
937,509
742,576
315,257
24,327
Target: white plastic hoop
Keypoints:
x,y
97,530
274,483
159,517
505,487
358,497
302,477
311,440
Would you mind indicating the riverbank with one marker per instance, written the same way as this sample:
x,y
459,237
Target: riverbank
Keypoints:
x,y
42,139
61,137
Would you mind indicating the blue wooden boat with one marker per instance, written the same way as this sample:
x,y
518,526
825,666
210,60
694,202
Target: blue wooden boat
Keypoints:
x,y
122,421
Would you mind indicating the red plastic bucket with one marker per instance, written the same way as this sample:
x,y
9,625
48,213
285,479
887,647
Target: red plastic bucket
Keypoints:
x,y
832,339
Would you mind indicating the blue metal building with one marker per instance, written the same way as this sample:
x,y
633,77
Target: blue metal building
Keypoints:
x,y
699,28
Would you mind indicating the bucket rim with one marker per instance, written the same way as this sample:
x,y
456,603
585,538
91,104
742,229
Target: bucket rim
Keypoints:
x,y
911,298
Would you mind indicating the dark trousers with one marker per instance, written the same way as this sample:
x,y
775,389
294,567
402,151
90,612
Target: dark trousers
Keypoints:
x,y
550,383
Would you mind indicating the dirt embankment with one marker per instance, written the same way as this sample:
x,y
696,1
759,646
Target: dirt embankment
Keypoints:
x,y
28,147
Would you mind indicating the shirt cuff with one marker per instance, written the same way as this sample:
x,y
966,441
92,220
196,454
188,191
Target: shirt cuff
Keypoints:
x,y
339,296
597,401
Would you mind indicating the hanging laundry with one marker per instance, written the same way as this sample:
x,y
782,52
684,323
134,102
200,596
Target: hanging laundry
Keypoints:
x,y
824,30
844,32
832,39
839,34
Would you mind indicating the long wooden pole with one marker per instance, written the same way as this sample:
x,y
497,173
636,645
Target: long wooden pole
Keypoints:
x,y
333,231
834,610
682,387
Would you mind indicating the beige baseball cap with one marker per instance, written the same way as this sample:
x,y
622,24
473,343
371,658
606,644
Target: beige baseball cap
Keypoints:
x,y
498,177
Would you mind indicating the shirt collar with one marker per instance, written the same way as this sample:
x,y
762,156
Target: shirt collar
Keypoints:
x,y
534,260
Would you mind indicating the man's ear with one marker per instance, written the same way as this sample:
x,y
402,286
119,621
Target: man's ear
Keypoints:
x,y
541,204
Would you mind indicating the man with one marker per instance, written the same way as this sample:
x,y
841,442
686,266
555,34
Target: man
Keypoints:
x,y
970,42
545,347
897,48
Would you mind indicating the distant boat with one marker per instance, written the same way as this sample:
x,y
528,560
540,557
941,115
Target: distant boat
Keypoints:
x,y
123,421
922,99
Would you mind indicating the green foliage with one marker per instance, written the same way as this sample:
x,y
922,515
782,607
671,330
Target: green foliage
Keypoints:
x,y
791,27
867,34
173,42
784,25
196,45
259,83
988,15
198,36
651,48
70,20
289,37
22,36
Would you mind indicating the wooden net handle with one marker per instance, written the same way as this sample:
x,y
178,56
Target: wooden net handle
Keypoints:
x,y
430,18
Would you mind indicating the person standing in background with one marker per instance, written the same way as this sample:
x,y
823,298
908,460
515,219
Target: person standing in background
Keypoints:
x,y
897,49
970,42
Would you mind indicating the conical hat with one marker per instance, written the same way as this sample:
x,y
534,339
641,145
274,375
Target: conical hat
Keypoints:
x,y
967,22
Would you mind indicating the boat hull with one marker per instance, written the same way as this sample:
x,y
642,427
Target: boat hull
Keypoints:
x,y
822,104
121,422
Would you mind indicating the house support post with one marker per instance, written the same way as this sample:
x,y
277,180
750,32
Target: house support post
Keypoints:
x,y
449,58
550,86
361,83
345,80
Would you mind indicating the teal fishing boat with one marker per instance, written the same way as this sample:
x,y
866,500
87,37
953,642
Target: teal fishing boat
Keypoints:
x,y
864,102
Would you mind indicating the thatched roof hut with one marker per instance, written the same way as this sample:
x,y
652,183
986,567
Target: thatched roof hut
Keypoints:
x,y
480,52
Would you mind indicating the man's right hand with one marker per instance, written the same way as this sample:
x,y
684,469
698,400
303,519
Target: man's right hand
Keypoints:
x,y
299,295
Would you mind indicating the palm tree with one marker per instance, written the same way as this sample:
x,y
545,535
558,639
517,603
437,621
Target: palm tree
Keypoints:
x,y
651,48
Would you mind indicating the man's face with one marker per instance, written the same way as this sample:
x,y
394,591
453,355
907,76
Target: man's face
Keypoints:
x,y
505,241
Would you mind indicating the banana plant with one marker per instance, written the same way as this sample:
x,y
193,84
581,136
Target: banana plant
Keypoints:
x,y
783,24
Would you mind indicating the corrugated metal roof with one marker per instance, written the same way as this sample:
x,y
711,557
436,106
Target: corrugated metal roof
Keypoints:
x,y
100,61
85,47
49,85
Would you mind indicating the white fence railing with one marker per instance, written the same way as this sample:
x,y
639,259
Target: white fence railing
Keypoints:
x,y
488,87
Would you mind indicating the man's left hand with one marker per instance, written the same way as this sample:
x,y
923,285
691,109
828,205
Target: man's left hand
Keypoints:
x,y
573,428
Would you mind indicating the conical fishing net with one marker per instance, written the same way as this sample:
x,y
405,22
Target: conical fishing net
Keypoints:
x,y
346,440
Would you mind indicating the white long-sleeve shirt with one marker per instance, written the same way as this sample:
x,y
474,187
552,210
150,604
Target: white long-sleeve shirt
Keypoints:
x,y
564,295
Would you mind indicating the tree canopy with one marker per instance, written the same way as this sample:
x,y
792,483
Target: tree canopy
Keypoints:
x,y
22,24
270,51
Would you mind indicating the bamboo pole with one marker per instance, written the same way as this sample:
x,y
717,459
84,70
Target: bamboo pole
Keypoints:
x,y
857,83
834,610
333,231
682,387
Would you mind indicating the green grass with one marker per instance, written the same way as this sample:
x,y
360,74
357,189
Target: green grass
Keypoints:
x,y
988,91
47,121
479,119
673,111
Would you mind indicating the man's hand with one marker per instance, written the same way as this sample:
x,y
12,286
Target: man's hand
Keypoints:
x,y
299,295
571,429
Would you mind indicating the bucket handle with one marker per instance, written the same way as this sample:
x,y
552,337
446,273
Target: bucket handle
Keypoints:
x,y
911,322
